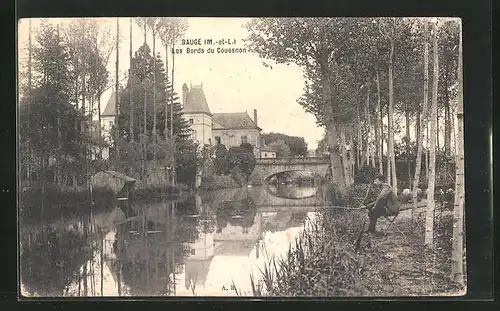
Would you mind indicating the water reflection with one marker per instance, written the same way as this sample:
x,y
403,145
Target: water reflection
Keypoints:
x,y
201,246
291,191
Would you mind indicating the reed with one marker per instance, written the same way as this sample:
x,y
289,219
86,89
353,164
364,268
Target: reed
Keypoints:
x,y
321,261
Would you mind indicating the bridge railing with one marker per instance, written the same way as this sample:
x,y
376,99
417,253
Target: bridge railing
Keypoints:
x,y
292,160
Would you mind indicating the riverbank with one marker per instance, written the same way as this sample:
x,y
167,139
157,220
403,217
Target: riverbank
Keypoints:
x,y
56,201
324,262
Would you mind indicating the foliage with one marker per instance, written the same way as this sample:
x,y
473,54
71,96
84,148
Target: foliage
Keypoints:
x,y
215,182
50,125
139,84
220,162
240,160
51,263
281,148
321,260
366,174
297,145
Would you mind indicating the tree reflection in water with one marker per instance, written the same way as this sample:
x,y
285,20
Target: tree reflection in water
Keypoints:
x,y
152,252
51,261
236,213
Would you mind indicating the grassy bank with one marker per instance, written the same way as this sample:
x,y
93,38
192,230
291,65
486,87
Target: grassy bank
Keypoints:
x,y
324,262
57,201
216,182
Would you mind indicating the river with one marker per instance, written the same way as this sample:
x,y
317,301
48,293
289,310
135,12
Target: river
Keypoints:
x,y
207,245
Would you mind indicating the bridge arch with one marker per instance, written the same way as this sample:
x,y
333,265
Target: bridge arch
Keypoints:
x,y
264,168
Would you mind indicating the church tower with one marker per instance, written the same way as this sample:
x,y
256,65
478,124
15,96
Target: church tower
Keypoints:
x,y
197,113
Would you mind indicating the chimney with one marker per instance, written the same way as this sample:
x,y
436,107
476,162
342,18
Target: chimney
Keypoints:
x,y
255,117
184,94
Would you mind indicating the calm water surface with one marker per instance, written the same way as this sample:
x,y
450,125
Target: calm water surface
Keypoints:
x,y
209,244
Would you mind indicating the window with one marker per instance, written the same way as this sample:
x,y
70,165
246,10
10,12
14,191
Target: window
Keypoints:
x,y
110,123
210,141
245,230
191,121
265,155
243,139
217,140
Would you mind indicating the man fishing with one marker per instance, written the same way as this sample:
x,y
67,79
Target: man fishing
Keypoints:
x,y
386,204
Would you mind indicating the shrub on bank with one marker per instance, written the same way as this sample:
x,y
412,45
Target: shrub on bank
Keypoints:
x,y
147,193
57,201
215,182
322,261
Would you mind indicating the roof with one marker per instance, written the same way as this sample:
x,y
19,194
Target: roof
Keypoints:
x,y
266,148
120,176
109,111
234,120
196,101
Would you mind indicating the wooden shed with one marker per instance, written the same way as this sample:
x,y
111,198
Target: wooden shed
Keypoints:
x,y
121,184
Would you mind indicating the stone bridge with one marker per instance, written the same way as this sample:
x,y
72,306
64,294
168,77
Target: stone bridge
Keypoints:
x,y
265,168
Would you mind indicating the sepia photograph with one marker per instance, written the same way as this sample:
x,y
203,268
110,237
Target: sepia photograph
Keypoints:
x,y
245,157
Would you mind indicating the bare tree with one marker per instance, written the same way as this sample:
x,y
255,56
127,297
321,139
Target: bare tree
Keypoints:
x,y
423,122
152,23
131,76
117,107
429,223
458,216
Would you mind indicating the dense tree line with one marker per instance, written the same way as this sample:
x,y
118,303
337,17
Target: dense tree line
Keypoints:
x,y
285,145
365,77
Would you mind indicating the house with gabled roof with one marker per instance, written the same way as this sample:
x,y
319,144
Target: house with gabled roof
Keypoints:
x,y
108,117
229,129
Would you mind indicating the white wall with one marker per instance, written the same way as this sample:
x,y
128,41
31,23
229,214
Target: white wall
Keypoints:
x,y
201,126
232,138
267,154
106,127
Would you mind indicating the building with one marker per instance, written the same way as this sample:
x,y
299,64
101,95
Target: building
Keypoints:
x,y
108,117
207,128
229,129
267,152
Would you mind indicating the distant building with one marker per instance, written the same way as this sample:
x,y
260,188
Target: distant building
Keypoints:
x,y
267,152
207,128
229,129
108,117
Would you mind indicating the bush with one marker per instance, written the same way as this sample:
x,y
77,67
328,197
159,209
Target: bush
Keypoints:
x,y
366,175
322,261
147,193
216,182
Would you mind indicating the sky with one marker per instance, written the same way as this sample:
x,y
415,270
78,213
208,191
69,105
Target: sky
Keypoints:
x,y
231,82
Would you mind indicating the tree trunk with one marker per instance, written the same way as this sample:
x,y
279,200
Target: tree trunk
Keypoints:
x,y
389,170
345,161
437,130
99,128
359,153
370,154
351,155
145,132
378,138
447,116
167,99
331,130
117,125
131,79
154,97
30,49
381,169
391,125
407,121
429,223
458,214
174,170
